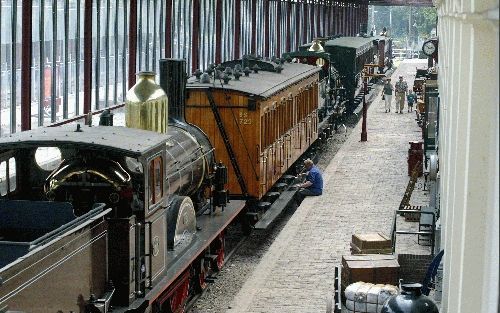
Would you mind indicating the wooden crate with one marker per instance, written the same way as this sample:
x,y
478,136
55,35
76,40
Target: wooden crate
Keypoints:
x,y
369,268
372,243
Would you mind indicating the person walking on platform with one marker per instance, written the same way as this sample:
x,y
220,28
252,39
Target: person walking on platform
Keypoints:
x,y
411,98
401,90
387,94
313,186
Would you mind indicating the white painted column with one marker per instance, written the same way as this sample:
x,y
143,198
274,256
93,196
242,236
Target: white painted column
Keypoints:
x,y
469,154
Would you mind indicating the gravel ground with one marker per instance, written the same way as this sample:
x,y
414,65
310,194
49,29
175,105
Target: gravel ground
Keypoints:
x,y
229,281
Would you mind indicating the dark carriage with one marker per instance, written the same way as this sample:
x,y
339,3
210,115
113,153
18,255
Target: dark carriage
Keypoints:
x,y
342,60
331,102
349,55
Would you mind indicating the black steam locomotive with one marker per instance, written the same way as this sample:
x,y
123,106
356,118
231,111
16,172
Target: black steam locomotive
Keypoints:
x,y
94,217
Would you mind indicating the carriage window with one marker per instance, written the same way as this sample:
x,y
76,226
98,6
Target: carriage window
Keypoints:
x,y
155,180
12,174
3,178
48,158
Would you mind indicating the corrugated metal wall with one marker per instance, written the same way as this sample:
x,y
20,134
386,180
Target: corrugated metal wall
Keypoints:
x,y
60,59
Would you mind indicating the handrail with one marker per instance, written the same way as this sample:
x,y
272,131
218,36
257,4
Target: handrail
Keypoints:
x,y
84,116
395,232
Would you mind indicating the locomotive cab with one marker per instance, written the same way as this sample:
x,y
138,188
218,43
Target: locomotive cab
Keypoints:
x,y
83,169
86,179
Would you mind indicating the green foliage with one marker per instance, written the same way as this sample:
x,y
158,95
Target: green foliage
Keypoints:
x,y
424,20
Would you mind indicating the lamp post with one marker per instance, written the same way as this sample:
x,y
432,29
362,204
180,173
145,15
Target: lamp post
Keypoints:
x,y
368,72
410,34
364,134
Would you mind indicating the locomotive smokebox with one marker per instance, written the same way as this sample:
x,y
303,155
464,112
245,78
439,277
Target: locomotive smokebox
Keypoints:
x,y
173,81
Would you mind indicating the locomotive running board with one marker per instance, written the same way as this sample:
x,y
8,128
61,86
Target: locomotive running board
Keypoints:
x,y
275,209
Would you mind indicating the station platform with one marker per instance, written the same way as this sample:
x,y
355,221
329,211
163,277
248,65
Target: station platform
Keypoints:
x,y
363,186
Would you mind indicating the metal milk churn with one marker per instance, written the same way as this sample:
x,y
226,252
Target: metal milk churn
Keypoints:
x,y
411,300
146,105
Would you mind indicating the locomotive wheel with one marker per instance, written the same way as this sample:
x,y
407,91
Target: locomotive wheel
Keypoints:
x,y
181,219
177,301
218,247
202,269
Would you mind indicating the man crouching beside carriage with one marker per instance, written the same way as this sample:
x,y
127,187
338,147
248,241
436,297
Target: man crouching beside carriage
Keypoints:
x,y
313,186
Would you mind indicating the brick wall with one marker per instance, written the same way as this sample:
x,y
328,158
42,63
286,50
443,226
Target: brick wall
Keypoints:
x,y
413,267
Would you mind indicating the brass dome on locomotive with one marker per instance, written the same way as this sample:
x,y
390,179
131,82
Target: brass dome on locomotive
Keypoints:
x,y
146,105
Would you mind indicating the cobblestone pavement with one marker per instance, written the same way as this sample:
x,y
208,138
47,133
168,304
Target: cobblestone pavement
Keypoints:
x,y
364,184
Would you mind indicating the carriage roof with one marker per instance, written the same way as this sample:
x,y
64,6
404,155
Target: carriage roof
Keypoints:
x,y
264,83
127,141
350,42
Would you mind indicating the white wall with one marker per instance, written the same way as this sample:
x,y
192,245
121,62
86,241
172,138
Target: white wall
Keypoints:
x,y
469,153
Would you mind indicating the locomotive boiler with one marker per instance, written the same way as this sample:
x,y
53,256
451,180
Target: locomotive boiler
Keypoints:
x,y
94,217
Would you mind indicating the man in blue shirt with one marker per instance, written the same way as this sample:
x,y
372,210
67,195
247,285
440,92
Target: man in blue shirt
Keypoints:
x,y
313,186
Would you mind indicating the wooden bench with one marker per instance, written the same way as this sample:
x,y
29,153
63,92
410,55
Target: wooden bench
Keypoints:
x,y
424,232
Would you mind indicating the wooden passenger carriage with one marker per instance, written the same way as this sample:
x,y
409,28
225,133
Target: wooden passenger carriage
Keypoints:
x,y
268,119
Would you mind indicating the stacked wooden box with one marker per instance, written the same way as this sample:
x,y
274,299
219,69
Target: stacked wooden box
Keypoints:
x,y
369,268
373,243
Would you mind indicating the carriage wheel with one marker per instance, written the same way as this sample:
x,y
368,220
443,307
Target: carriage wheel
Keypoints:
x,y
219,249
